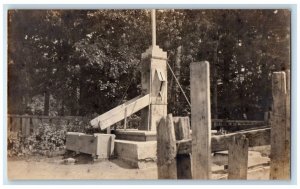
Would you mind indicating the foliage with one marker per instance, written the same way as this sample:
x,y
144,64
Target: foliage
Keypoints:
x,y
45,139
80,62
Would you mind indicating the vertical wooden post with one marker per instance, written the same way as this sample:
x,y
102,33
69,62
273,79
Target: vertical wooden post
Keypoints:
x,y
25,126
16,124
166,149
238,158
288,125
184,162
280,128
201,120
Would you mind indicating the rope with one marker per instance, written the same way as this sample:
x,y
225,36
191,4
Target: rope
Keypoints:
x,y
179,84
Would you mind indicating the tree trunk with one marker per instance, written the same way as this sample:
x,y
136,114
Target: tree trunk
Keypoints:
x,y
176,90
215,84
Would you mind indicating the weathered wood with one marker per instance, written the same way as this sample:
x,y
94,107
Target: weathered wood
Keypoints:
x,y
117,114
45,117
25,126
258,137
182,127
166,149
184,166
182,131
238,157
201,120
16,124
35,124
280,128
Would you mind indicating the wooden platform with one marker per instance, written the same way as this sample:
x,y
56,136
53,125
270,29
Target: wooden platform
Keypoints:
x,y
135,135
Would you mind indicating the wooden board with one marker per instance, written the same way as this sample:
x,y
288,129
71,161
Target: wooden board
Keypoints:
x,y
201,120
258,137
120,112
238,157
25,126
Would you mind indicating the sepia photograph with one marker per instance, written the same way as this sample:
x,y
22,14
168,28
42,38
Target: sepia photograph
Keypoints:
x,y
148,94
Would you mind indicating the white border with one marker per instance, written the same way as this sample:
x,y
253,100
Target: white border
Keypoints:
x,y
150,4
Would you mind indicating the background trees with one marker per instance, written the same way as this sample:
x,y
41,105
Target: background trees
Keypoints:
x,y
80,62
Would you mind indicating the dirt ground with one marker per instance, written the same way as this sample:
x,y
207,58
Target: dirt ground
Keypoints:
x,y
41,167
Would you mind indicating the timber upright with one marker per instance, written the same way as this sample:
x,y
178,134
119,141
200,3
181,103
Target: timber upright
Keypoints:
x,y
154,82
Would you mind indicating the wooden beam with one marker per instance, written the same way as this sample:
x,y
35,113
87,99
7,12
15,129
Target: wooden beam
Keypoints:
x,y
258,137
201,120
118,113
280,128
166,149
238,157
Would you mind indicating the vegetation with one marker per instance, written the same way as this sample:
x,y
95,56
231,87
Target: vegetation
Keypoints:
x,y
83,62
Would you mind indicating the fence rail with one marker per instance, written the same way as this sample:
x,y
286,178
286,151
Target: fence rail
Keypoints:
x,y
27,124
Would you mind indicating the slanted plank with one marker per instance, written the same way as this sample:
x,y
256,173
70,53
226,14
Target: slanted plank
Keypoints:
x,y
117,114
201,120
166,149
238,157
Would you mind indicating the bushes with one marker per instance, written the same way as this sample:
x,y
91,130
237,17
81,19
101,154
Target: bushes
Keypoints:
x,y
45,139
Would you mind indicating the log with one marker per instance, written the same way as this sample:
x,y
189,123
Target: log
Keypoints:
x,y
166,149
201,120
258,137
238,158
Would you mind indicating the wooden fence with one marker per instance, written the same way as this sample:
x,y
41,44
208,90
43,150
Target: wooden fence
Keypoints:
x,y
27,124
184,156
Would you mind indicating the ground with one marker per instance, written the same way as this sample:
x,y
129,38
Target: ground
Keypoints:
x,y
41,167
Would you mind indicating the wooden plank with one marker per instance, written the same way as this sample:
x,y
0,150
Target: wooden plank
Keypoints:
x,y
36,122
16,124
238,157
25,126
184,166
182,127
258,137
201,120
280,129
166,149
184,161
117,114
